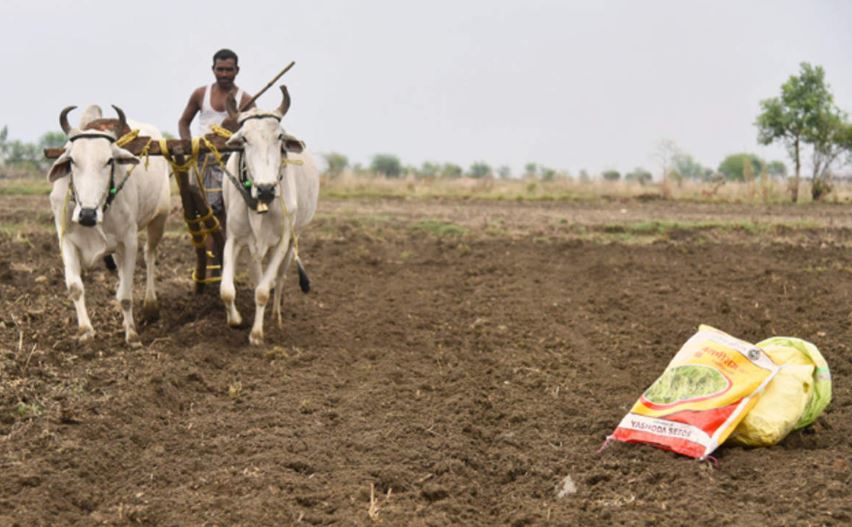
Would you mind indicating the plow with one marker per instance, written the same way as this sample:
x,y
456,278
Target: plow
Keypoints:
x,y
183,157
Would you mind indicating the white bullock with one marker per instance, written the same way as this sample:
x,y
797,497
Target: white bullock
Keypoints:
x,y
270,198
101,197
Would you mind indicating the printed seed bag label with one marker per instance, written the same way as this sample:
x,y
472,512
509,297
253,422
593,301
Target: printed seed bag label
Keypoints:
x,y
703,394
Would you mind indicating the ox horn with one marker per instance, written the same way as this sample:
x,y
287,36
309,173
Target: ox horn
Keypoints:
x,y
285,100
63,119
122,121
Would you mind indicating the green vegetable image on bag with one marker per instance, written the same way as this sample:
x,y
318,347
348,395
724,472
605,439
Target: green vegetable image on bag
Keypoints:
x,y
683,383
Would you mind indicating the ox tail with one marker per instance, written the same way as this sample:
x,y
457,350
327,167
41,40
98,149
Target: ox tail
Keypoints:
x,y
109,262
304,281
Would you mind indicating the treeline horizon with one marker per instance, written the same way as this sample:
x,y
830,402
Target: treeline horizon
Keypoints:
x,y
678,166
28,157
803,118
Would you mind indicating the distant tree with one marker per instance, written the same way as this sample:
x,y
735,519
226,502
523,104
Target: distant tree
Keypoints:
x,y
611,175
829,142
336,163
665,153
52,140
530,170
25,155
429,169
480,170
687,167
546,173
584,176
504,172
639,175
776,169
4,144
733,166
451,171
799,116
387,165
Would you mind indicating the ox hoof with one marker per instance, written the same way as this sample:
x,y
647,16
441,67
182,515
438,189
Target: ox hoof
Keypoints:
x,y
151,311
85,334
235,321
256,338
132,339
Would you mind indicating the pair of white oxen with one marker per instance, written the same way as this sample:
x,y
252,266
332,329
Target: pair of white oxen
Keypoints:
x,y
102,196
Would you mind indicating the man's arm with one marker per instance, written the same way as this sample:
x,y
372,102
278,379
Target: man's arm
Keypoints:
x,y
193,106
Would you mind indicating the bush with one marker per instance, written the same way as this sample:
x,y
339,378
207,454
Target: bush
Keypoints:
x,y
612,175
336,162
480,170
639,175
387,165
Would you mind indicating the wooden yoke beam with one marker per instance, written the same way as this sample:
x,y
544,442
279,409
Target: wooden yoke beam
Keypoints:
x,y
176,147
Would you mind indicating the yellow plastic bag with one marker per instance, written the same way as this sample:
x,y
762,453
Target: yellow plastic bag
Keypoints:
x,y
793,399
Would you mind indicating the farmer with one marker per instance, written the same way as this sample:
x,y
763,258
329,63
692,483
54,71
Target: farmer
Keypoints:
x,y
210,102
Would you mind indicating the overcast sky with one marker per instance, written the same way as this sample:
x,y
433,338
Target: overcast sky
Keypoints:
x,y
593,84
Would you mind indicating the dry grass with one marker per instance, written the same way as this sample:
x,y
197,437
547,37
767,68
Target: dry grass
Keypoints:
x,y
350,185
374,510
366,185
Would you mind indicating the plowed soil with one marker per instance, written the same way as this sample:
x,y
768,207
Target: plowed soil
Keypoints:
x,y
453,365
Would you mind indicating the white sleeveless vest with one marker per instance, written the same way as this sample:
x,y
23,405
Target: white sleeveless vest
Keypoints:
x,y
208,116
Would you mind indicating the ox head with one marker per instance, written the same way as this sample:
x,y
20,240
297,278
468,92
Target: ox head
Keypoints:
x,y
263,143
90,160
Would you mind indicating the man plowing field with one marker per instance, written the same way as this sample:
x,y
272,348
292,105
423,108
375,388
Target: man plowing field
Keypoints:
x,y
208,102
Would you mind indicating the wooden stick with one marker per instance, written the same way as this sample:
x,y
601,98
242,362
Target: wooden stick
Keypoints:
x,y
248,104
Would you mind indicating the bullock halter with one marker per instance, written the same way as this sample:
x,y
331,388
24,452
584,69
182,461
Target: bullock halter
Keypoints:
x,y
243,181
112,189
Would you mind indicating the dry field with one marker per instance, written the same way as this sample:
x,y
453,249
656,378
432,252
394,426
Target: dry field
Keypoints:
x,y
456,362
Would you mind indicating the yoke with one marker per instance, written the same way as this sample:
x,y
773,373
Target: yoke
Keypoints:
x,y
182,155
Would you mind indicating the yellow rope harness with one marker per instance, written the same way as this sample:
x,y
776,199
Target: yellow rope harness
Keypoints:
x,y
189,163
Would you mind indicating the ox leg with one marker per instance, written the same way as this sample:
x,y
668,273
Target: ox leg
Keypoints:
x,y
278,294
227,291
74,283
150,307
261,293
255,271
126,256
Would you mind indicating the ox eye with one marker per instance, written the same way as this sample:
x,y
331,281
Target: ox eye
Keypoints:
x,y
110,162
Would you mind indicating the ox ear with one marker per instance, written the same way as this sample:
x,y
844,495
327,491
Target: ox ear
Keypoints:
x,y
124,157
292,145
60,167
236,139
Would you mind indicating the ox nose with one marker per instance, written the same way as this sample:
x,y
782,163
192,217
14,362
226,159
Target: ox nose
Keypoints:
x,y
88,217
265,193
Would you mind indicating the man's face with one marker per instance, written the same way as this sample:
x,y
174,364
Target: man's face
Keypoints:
x,y
225,71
